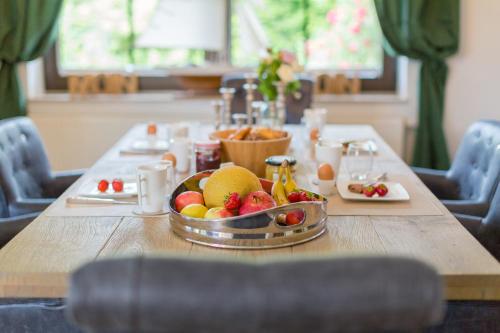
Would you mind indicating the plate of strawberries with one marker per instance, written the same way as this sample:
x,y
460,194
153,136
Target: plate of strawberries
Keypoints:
x,y
380,191
109,188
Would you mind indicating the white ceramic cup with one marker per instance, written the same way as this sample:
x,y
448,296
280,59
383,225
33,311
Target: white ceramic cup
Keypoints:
x,y
181,148
329,151
152,187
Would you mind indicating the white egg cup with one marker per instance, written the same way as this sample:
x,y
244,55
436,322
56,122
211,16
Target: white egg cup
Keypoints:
x,y
326,187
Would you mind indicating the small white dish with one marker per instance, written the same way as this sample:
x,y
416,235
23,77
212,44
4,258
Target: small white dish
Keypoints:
x,y
137,211
396,192
89,189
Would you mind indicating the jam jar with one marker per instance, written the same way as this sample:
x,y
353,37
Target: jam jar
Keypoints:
x,y
273,164
207,155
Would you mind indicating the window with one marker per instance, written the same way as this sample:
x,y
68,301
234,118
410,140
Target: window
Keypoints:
x,y
159,37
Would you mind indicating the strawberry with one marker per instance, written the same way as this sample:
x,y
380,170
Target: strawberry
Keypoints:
x,y
103,185
232,201
369,191
381,189
294,197
117,185
304,196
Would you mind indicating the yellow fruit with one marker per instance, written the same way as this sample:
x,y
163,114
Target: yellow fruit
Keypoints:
x,y
278,190
290,184
194,210
228,180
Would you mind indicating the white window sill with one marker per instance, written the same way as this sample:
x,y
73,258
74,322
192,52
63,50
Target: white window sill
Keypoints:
x,y
143,97
172,96
361,98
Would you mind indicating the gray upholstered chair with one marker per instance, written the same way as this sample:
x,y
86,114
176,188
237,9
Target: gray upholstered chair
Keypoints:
x,y
27,184
487,229
295,106
357,294
468,186
10,226
26,315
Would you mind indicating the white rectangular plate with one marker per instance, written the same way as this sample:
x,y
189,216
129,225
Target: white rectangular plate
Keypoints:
x,y
396,192
150,145
89,189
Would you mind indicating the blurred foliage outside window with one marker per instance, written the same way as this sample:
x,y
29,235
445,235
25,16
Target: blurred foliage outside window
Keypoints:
x,y
325,35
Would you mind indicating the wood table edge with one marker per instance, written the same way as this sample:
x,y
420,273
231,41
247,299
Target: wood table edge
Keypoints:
x,y
33,285
472,287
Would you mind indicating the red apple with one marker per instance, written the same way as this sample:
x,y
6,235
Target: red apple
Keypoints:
x,y
294,217
218,213
255,202
188,198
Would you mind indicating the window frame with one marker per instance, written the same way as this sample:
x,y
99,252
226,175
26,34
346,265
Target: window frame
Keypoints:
x,y
184,79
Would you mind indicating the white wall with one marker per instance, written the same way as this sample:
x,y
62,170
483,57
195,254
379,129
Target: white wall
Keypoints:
x,y
473,91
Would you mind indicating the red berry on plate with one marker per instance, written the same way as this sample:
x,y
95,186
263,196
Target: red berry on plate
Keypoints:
x,y
117,185
232,201
381,190
294,197
369,191
103,185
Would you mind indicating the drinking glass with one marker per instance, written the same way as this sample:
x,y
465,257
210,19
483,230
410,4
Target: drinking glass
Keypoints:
x,y
359,160
314,119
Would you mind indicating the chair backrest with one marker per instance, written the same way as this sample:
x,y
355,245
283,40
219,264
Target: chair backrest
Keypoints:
x,y
476,167
4,207
24,166
357,294
296,104
489,231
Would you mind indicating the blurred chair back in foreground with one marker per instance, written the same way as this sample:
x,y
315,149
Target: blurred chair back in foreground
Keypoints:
x,y
357,294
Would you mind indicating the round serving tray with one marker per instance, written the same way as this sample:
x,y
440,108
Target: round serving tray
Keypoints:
x,y
260,230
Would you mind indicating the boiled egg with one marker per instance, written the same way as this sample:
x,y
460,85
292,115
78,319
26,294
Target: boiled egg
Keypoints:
x,y
314,134
325,172
170,157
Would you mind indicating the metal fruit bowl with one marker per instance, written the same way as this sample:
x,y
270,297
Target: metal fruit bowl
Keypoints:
x,y
260,230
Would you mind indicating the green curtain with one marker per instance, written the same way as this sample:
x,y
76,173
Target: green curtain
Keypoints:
x,y
27,30
427,30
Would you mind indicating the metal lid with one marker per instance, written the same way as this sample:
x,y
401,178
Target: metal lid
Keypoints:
x,y
207,144
278,159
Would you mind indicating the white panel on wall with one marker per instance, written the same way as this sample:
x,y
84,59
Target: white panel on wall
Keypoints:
x,y
472,89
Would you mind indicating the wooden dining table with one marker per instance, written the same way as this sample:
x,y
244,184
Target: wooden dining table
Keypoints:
x,y
38,262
